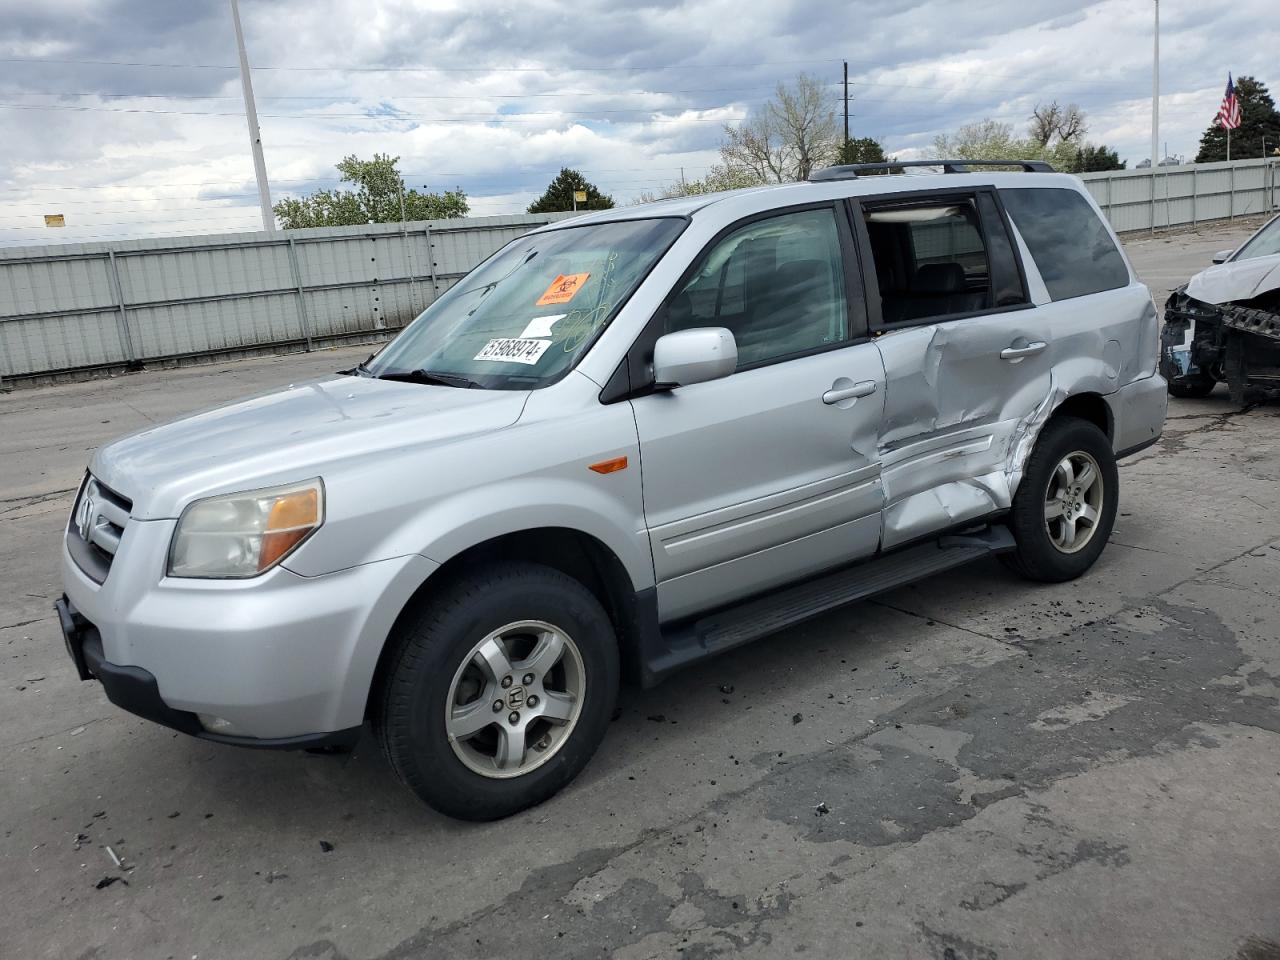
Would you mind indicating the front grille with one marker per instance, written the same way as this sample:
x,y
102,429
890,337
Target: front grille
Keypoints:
x,y
97,524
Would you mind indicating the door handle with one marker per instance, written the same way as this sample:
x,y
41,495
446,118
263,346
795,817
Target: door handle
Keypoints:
x,y
1017,353
863,389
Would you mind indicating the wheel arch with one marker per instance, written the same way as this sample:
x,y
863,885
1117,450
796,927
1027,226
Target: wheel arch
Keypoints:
x,y
1091,407
577,554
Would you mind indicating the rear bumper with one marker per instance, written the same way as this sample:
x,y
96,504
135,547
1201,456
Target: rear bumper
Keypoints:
x,y
136,690
1137,414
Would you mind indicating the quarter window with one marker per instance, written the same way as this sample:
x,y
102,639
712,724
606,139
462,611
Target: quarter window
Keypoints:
x,y
930,259
776,284
1071,247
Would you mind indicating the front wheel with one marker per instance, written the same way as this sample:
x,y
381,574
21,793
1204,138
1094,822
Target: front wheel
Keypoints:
x,y
1065,506
498,690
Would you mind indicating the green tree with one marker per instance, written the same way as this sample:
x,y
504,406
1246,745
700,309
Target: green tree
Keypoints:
x,y
860,150
1090,159
376,199
716,179
559,194
991,140
1258,120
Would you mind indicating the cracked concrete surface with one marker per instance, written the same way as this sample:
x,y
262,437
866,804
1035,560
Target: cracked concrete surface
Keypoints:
x,y
983,768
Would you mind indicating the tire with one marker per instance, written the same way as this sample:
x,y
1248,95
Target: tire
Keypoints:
x,y
1193,386
435,672
1044,551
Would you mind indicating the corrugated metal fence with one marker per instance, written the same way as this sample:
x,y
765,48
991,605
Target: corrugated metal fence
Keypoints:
x,y
1185,195
105,306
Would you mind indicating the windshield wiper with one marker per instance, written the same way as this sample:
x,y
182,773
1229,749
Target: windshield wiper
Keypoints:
x,y
430,377
361,369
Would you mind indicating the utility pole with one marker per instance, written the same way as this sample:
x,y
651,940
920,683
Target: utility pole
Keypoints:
x,y
255,135
1155,97
846,101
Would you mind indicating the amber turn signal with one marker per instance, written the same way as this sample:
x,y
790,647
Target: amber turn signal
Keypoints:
x,y
292,517
610,466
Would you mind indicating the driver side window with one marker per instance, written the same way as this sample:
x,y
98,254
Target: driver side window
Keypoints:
x,y
776,284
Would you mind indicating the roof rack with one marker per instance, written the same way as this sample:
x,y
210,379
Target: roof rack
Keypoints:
x,y
851,171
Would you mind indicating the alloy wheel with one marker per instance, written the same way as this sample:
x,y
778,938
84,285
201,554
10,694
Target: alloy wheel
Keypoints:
x,y
515,699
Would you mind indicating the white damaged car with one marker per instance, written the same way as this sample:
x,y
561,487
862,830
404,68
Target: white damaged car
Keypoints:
x,y
1224,325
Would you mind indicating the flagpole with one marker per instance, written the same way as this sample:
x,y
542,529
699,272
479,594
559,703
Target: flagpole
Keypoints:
x,y
1228,144
1155,98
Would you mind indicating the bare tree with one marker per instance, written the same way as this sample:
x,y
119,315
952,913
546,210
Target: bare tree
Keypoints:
x,y
1073,125
1052,120
790,136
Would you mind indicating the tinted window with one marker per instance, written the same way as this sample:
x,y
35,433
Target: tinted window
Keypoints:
x,y
1265,243
777,284
930,259
1069,243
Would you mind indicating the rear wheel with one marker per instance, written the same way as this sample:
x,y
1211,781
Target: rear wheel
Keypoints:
x,y
1065,506
498,691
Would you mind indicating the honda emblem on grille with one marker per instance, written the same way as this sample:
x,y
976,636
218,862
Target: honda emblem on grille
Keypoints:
x,y
88,509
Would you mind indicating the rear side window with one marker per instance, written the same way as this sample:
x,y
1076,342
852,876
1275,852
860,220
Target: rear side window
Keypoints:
x,y
1069,243
930,259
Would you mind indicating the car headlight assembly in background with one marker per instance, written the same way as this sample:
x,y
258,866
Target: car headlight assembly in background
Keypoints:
x,y
242,535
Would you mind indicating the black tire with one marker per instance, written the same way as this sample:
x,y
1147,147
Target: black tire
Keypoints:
x,y
428,649
1193,386
1036,556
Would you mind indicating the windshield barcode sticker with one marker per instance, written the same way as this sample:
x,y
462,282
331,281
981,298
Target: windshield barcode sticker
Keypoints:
x,y
514,350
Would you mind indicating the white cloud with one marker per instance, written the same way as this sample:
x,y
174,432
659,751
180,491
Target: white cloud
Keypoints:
x,y
628,95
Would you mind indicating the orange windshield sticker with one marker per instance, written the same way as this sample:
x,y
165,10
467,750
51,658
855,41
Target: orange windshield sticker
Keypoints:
x,y
562,289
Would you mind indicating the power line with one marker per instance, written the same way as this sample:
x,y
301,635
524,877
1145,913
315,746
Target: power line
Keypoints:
x,y
432,69
398,96
333,178
134,223
389,117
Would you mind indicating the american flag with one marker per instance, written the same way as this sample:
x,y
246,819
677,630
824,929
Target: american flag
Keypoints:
x,y
1229,112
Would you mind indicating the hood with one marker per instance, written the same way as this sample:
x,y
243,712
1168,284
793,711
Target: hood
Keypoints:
x,y
1237,280
290,435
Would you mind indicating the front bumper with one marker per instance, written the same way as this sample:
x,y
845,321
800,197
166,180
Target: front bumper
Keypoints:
x,y
135,690
279,660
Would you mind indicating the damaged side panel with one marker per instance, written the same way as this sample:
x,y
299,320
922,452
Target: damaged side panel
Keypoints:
x,y
952,421
959,426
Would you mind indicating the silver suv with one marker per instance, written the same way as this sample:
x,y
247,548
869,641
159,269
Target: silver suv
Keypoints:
x,y
622,444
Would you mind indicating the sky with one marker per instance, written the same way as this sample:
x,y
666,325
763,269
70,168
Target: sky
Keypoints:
x,y
126,116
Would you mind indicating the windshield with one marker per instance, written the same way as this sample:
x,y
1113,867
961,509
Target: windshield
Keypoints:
x,y
523,317
1265,243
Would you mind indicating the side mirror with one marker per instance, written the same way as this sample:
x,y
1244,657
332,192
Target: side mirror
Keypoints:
x,y
694,356
1222,256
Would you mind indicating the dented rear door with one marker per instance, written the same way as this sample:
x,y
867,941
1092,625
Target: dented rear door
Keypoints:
x,y
966,365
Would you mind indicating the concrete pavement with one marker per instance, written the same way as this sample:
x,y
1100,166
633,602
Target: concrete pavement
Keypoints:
x,y
973,767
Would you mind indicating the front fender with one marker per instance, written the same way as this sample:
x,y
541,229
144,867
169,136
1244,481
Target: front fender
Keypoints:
x,y
449,527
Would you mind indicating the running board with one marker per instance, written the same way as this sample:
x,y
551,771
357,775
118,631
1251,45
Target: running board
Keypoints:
x,y
733,626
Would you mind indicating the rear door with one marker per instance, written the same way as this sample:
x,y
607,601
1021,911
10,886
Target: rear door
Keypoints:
x,y
771,473
966,355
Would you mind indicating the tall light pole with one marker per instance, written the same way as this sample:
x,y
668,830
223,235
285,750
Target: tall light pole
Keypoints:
x,y
1155,96
255,135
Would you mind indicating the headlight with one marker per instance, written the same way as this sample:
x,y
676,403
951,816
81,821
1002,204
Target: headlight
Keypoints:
x,y
244,534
